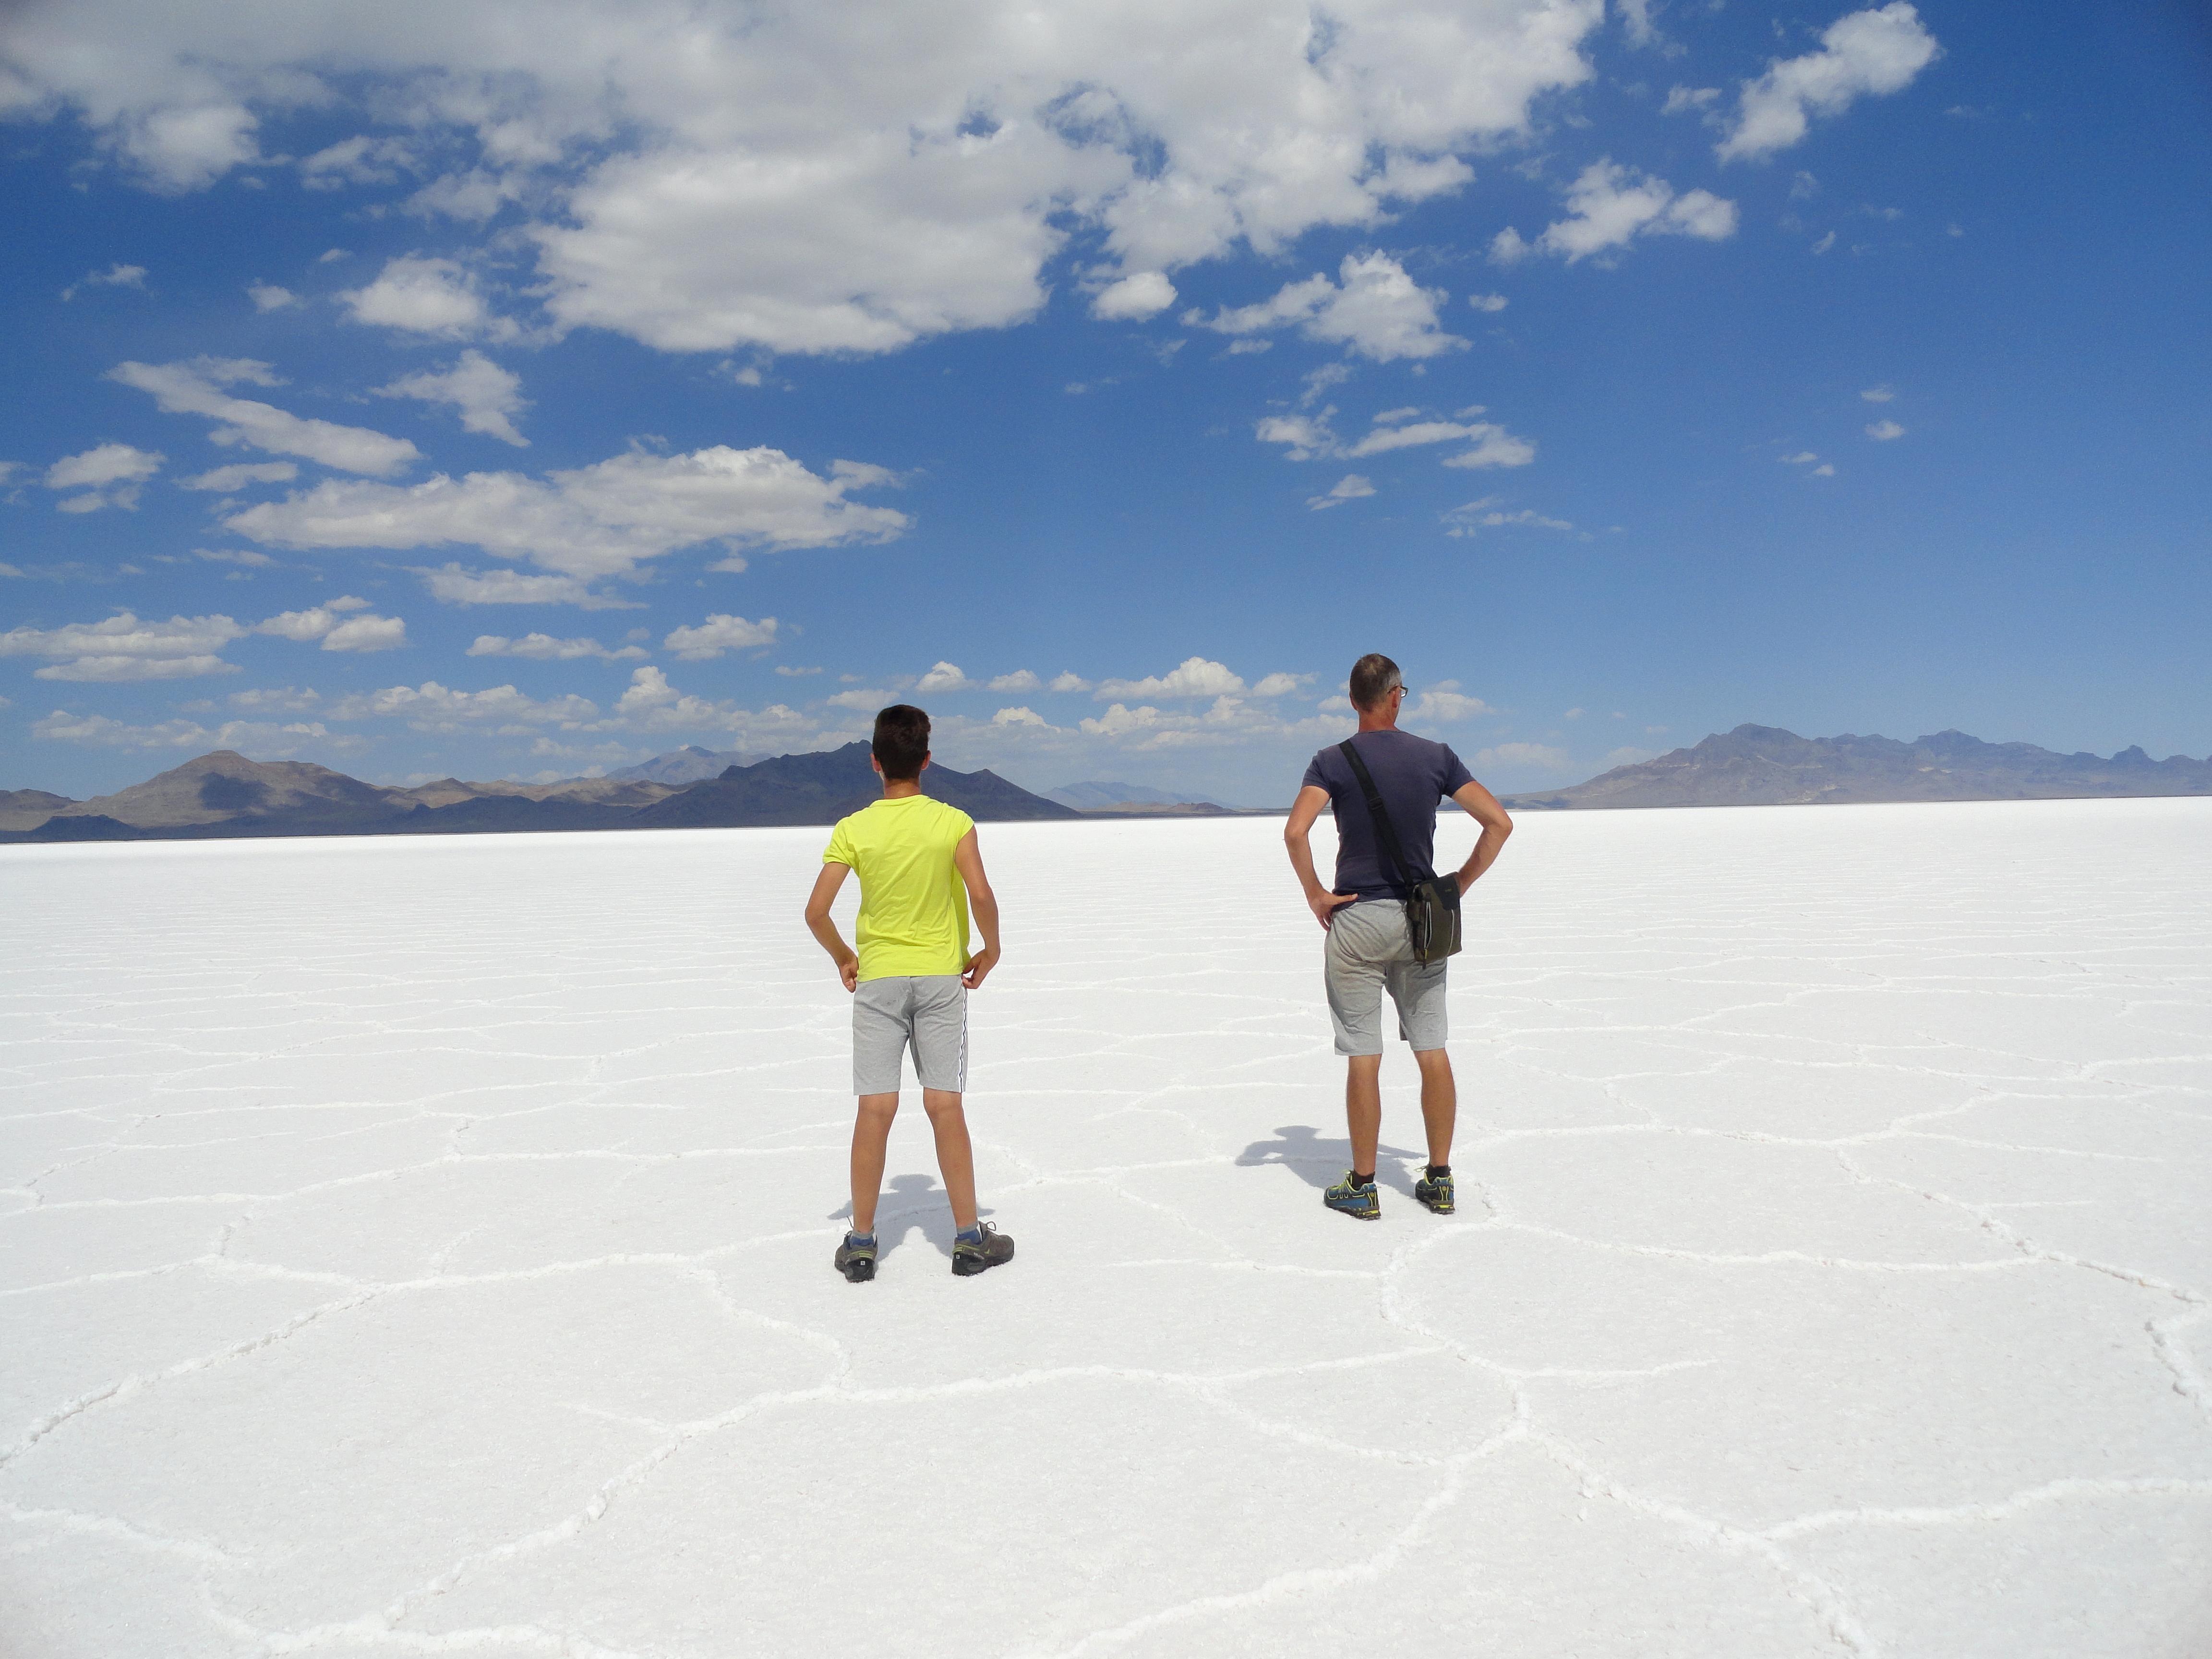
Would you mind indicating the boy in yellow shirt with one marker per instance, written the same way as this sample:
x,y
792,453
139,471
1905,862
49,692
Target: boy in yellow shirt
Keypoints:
x,y
910,980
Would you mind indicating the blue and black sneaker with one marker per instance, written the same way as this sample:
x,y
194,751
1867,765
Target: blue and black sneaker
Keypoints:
x,y
978,1249
1435,1191
856,1257
1354,1200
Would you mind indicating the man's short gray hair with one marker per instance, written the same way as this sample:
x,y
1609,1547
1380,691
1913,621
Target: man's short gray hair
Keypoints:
x,y
1374,677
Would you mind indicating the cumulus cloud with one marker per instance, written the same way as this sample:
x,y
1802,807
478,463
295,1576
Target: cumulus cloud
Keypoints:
x,y
1609,205
1140,295
1020,680
432,706
1487,301
1877,394
240,474
945,677
1876,52
121,648
1350,488
1018,717
1068,680
719,634
233,555
543,648
1378,311
268,297
336,630
1445,703
589,522
1195,677
111,473
435,298
194,387
487,396
1310,437
1689,100
1883,431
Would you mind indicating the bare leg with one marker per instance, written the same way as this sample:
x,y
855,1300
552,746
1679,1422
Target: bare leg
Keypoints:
x,y
1363,1109
1439,1101
956,1161
871,1133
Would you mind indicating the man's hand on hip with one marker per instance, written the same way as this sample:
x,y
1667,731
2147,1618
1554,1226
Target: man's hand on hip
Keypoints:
x,y
1325,905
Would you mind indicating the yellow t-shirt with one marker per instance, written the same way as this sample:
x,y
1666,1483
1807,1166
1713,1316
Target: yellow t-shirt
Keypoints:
x,y
914,905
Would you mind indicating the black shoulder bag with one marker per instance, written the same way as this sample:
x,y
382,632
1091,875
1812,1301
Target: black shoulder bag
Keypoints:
x,y
1432,912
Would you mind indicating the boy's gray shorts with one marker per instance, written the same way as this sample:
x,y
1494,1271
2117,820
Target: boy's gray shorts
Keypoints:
x,y
1369,952
930,1011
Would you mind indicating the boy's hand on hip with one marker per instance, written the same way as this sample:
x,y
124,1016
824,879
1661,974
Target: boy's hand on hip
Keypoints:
x,y
978,965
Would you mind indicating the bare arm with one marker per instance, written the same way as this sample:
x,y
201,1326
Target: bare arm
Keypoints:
x,y
824,930
1304,811
967,859
1484,808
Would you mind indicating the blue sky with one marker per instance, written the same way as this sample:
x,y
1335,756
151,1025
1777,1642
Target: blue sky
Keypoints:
x,y
522,391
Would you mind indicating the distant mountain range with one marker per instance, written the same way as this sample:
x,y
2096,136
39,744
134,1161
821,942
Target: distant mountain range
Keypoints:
x,y
224,795
1765,766
1133,798
689,765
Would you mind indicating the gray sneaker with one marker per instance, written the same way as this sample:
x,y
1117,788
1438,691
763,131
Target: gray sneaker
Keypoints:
x,y
980,1248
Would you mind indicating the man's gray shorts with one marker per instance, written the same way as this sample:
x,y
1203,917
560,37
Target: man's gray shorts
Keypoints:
x,y
1369,952
930,1011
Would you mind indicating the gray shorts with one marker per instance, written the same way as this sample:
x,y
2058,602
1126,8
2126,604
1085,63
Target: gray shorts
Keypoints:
x,y
930,1011
1367,953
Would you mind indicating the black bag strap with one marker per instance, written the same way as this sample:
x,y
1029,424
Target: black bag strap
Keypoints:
x,y
1386,833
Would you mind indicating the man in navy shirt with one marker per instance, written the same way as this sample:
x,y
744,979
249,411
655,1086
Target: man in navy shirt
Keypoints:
x,y
1368,950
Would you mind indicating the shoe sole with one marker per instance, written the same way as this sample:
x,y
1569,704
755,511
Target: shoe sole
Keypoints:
x,y
1375,1214
858,1273
967,1267
1440,1209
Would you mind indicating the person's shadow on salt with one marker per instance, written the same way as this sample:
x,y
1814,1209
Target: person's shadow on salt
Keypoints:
x,y
910,1204
1321,1163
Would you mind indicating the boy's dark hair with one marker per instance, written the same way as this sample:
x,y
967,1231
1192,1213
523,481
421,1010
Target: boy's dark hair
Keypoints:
x,y
902,741
1374,676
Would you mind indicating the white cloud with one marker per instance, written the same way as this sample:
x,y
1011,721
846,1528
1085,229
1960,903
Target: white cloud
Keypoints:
x,y
366,633
265,739
1539,755
1195,677
594,521
1876,52
122,647
1444,702
433,297
116,275
1877,394
240,474
1883,431
1018,717
1020,680
543,648
338,632
1068,680
487,396
195,388
112,472
1140,295
431,706
1823,470
784,668
1609,205
1824,243
1636,22
455,586
1310,437
945,677
360,159
1280,685
1350,488
1380,312
1625,757
718,634
268,297
1689,100
1486,513
1487,301
228,555
1803,187
860,699
1799,458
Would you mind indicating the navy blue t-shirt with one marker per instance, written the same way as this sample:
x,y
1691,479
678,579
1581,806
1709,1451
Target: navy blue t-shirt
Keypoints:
x,y
1412,775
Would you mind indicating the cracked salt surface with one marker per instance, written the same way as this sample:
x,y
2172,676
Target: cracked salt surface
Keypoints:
x,y
423,1246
